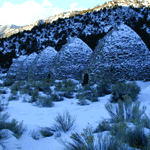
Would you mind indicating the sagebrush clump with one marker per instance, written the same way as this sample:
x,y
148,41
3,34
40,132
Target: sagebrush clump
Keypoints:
x,y
44,101
64,122
14,126
125,111
44,85
104,87
34,94
56,98
81,96
86,92
67,87
120,89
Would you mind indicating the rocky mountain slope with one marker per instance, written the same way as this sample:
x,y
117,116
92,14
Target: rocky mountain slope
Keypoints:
x,y
88,25
8,30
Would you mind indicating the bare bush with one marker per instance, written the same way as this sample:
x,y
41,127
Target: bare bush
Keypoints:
x,y
64,122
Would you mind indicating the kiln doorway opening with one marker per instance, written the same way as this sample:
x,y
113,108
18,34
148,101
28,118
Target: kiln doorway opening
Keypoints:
x,y
49,76
85,79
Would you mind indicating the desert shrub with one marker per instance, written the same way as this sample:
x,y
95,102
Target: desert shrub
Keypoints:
x,y
14,92
148,142
103,87
68,92
18,129
82,99
87,141
58,86
121,89
113,143
44,85
56,98
46,132
24,90
125,111
136,138
3,106
44,101
119,130
3,136
17,85
8,82
34,94
64,122
68,87
91,94
145,121
80,96
81,141
103,126
67,83
120,133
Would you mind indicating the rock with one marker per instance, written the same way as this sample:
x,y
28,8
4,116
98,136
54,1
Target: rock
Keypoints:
x,y
41,65
15,67
24,69
71,60
120,55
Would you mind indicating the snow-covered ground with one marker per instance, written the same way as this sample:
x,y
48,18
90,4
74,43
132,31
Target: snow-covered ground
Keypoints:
x,y
34,117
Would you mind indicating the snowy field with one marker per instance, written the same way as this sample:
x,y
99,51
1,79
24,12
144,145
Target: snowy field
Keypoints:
x,y
35,117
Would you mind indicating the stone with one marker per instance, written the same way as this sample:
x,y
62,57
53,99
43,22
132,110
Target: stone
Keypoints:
x,y
71,60
119,55
40,68
15,66
24,69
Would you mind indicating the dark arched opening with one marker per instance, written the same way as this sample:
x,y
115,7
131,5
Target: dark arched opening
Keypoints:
x,y
49,76
86,79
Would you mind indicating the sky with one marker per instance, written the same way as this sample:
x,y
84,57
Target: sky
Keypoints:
x,y
22,12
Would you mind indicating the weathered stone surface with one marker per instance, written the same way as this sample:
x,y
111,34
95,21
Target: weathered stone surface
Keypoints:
x,y
24,68
15,67
72,59
41,65
120,55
